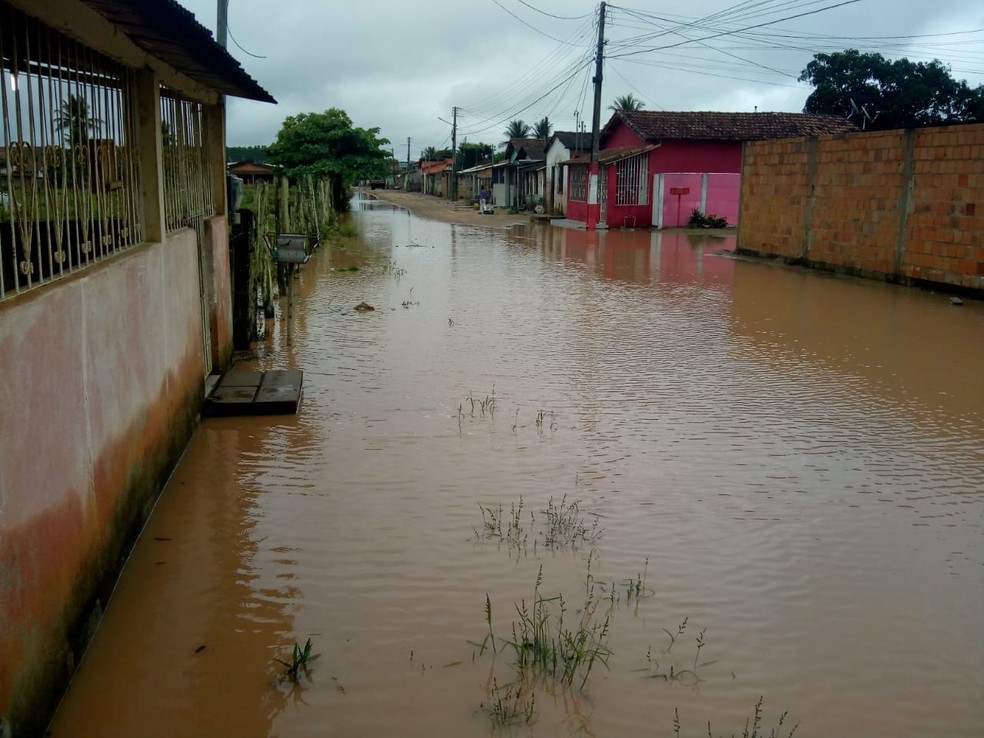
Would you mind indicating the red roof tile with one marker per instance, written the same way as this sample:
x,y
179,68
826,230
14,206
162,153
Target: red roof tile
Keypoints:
x,y
652,125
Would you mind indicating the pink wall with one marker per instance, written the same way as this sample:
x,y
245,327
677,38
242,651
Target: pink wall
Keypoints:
x,y
723,195
103,375
677,207
721,198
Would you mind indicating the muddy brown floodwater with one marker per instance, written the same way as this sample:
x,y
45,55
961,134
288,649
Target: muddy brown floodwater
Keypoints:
x,y
799,458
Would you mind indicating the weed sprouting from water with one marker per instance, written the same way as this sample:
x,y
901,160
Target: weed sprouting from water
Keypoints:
x,y
680,630
562,526
300,660
637,587
677,673
510,705
408,303
486,406
489,640
754,727
545,647
566,525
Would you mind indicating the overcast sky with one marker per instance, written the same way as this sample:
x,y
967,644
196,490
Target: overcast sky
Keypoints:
x,y
401,65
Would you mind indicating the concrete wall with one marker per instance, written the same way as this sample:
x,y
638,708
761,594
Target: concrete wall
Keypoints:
x,y
901,205
101,384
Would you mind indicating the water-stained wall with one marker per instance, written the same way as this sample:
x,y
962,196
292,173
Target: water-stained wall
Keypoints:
x,y
101,383
901,205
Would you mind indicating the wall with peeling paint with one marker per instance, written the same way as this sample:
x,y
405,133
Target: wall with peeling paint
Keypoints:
x,y
101,385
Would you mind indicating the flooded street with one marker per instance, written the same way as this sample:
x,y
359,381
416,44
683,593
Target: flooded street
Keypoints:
x,y
777,478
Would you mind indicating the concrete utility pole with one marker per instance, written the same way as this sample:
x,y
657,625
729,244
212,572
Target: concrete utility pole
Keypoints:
x,y
594,206
454,154
406,177
222,25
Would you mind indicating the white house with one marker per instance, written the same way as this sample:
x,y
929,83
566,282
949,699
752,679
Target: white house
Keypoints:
x,y
562,146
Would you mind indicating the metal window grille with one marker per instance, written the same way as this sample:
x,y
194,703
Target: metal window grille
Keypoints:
x,y
188,199
579,184
631,180
69,182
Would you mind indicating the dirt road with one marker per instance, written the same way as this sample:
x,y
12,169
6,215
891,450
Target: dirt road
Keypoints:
x,y
438,208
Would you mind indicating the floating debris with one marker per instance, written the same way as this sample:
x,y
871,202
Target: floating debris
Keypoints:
x,y
364,307
956,301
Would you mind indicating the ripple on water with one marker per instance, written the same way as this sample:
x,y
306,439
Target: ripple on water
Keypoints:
x,y
798,486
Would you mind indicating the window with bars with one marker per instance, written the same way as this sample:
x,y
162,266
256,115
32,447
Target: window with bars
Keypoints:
x,y
188,198
69,180
631,176
579,183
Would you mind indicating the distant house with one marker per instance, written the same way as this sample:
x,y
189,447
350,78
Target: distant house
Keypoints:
x,y
435,177
251,172
657,167
561,147
519,180
471,181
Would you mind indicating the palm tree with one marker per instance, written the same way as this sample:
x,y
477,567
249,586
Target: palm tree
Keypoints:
x,y
627,103
517,129
429,154
75,121
543,129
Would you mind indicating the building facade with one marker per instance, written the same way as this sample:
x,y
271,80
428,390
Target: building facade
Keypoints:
x,y
115,305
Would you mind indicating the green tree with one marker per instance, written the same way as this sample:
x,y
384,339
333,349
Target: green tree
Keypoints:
x,y
877,93
517,129
257,154
432,154
470,154
327,146
543,128
627,102
76,122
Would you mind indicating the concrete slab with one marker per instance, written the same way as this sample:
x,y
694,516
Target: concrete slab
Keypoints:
x,y
242,392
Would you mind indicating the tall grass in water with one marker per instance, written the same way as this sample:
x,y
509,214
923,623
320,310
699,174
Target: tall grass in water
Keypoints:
x,y
546,646
562,526
754,727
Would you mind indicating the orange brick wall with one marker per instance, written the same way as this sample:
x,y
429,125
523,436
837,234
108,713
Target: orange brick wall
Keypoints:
x,y
905,206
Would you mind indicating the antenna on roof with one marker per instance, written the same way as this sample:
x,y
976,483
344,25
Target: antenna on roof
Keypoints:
x,y
866,117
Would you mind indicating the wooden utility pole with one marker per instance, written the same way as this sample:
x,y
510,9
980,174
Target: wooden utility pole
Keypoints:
x,y
406,178
594,207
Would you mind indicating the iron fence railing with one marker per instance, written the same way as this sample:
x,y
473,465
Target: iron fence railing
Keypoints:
x,y
69,179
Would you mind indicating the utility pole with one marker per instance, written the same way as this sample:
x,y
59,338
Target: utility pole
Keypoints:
x,y
222,24
406,178
594,206
454,154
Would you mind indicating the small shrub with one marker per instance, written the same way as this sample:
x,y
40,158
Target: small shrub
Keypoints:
x,y
700,220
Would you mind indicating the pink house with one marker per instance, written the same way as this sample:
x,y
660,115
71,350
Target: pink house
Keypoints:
x,y
657,167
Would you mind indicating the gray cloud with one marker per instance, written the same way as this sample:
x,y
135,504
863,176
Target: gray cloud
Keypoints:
x,y
401,65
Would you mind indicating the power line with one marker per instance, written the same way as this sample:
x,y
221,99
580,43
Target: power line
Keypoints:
x,y
229,31
558,17
740,30
529,25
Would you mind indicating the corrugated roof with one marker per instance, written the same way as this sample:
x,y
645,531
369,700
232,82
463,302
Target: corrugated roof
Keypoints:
x,y
171,33
653,126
